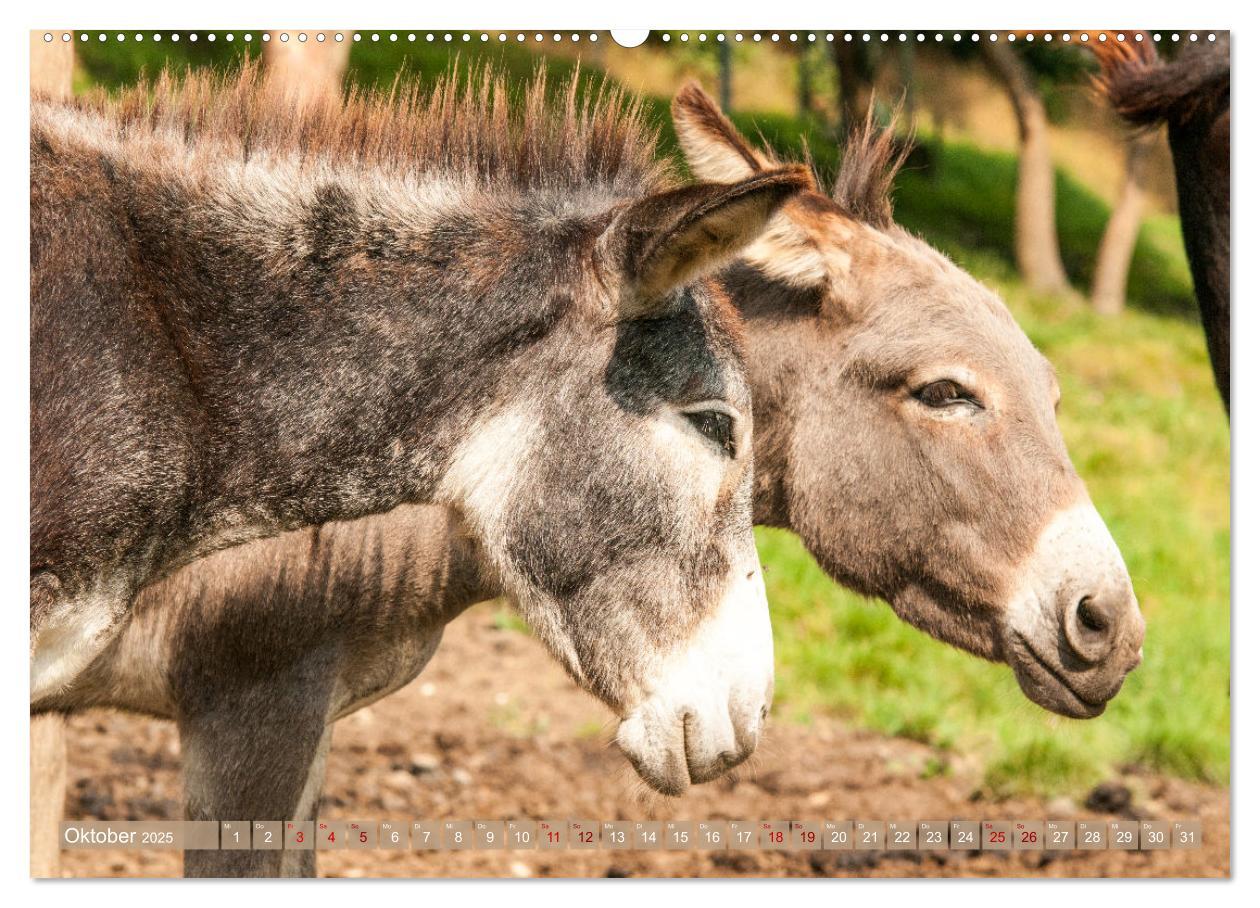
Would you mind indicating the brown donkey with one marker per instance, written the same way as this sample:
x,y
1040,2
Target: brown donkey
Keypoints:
x,y
249,317
905,428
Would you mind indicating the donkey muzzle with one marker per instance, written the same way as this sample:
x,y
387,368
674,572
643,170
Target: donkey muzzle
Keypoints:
x,y
708,706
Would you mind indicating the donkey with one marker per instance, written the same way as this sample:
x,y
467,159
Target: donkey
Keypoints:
x,y
917,457
250,317
1191,96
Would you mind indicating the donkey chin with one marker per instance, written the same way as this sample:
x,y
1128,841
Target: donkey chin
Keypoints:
x,y
1074,631
705,713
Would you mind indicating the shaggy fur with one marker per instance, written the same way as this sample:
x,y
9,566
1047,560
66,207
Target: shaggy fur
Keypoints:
x,y
250,317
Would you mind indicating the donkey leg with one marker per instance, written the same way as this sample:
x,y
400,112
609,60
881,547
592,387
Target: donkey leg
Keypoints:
x,y
48,792
260,758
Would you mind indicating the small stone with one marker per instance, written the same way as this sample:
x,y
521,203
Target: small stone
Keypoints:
x,y
399,780
423,762
1061,808
461,776
520,870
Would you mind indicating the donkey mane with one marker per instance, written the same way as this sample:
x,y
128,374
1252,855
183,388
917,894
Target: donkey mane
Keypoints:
x,y
473,127
870,161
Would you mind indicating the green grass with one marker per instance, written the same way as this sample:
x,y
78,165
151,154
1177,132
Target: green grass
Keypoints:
x,y
1142,421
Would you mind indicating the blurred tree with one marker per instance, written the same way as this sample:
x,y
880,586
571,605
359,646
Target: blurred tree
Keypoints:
x,y
725,74
1115,251
52,66
1036,242
855,69
305,68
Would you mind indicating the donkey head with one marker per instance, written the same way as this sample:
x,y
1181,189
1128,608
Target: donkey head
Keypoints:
x,y
907,431
610,481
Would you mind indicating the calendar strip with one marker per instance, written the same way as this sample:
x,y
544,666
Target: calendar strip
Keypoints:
x,y
636,835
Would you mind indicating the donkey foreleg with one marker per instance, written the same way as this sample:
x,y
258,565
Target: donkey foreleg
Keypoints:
x,y
261,759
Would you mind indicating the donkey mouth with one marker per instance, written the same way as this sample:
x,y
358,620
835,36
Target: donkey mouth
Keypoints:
x,y
1044,683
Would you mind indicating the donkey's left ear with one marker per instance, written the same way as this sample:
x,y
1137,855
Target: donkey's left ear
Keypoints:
x,y
712,145
670,239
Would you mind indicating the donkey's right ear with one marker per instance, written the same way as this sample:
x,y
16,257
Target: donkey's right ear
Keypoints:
x,y
671,238
713,147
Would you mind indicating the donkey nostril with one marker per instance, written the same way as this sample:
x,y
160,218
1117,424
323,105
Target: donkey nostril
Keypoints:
x,y
1090,615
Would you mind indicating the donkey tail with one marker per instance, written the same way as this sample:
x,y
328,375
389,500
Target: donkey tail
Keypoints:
x,y
1147,90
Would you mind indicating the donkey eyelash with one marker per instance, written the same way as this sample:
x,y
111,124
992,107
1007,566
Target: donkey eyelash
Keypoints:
x,y
944,393
716,421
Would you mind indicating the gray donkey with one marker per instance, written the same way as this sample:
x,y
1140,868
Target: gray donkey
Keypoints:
x,y
905,429
248,317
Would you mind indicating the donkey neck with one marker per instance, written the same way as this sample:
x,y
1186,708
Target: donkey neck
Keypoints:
x,y
780,327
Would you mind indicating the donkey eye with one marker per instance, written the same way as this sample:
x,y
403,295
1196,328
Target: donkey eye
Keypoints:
x,y
716,426
946,393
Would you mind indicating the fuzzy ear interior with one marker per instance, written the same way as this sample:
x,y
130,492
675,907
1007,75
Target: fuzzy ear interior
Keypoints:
x,y
672,238
714,149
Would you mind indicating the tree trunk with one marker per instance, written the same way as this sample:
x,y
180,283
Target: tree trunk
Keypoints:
x,y
52,65
905,66
855,72
1115,251
725,75
1036,239
805,83
306,68
47,793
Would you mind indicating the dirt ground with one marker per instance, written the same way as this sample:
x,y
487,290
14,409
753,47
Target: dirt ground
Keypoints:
x,y
493,729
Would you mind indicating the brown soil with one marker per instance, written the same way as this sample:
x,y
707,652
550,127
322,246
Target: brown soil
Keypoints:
x,y
495,730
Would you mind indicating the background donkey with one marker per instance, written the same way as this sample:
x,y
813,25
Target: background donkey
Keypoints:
x,y
248,317
917,456
1191,96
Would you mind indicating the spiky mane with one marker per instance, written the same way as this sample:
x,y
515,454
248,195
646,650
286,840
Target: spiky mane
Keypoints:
x,y
481,127
869,163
